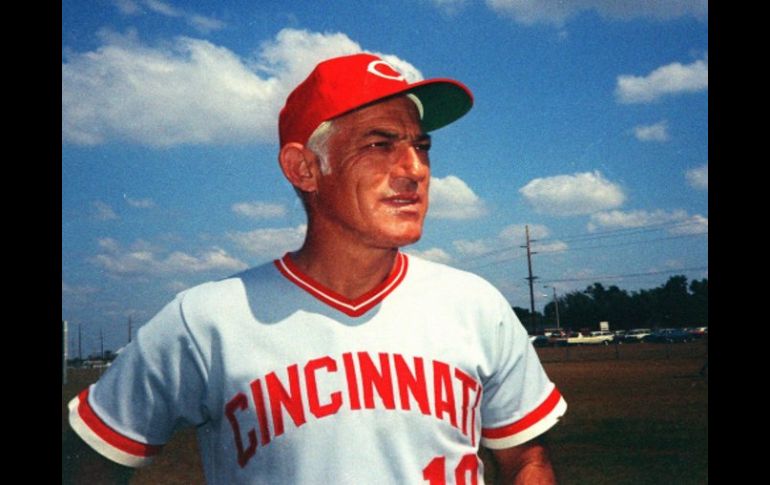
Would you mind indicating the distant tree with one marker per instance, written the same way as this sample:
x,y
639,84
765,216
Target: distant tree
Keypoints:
x,y
669,305
526,319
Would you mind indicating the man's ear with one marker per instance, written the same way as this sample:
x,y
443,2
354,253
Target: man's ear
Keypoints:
x,y
297,166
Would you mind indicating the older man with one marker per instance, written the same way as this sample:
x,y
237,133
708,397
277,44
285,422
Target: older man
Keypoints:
x,y
345,361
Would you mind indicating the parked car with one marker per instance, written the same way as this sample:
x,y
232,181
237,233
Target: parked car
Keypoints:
x,y
669,335
635,335
558,338
539,340
698,332
592,338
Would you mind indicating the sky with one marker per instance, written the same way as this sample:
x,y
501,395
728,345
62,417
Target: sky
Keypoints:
x,y
589,128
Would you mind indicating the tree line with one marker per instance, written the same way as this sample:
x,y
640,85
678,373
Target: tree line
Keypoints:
x,y
673,304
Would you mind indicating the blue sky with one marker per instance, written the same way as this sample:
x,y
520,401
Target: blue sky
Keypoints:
x,y
590,125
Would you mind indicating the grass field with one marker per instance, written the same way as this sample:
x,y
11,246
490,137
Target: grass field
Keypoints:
x,y
638,414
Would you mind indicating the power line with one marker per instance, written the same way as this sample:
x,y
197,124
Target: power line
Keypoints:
x,y
591,236
628,275
579,248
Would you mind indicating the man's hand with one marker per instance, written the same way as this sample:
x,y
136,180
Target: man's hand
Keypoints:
x,y
527,463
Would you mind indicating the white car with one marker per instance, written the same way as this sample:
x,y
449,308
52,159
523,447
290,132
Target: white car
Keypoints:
x,y
636,335
596,337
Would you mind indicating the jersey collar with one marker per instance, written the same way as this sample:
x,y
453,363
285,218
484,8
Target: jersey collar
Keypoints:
x,y
351,307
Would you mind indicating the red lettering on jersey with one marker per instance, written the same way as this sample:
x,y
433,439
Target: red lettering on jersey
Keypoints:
x,y
413,384
352,378
259,404
473,418
442,386
468,385
279,397
241,402
319,410
371,377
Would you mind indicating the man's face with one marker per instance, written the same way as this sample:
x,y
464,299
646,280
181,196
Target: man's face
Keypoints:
x,y
376,193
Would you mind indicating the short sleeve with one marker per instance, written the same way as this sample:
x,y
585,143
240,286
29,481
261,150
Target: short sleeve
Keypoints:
x,y
519,401
155,385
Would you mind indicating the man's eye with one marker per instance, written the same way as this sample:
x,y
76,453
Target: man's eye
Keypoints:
x,y
380,144
423,147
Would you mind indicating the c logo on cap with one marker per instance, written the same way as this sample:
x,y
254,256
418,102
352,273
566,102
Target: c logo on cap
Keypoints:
x,y
386,71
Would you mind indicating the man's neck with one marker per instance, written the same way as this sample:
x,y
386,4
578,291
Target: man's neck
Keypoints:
x,y
349,271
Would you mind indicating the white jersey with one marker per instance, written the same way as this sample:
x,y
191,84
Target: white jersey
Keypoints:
x,y
289,382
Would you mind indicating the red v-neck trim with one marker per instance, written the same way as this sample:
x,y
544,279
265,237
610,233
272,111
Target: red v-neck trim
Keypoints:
x,y
351,307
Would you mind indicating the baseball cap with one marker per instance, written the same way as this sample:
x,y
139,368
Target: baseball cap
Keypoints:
x,y
340,85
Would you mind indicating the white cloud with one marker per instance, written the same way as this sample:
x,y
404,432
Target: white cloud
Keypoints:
x,y
102,211
512,237
189,91
197,21
566,195
451,198
162,8
476,247
557,12
270,243
127,7
655,132
670,79
259,210
676,222
698,177
142,259
450,7
140,203
437,255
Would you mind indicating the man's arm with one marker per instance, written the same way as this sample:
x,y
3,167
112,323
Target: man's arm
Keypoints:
x,y
81,464
527,463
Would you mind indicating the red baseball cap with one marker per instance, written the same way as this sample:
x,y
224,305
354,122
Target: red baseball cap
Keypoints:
x,y
339,85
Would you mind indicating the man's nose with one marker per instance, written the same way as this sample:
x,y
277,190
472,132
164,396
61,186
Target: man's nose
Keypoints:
x,y
413,163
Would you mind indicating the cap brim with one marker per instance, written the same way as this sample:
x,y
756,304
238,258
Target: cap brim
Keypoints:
x,y
443,100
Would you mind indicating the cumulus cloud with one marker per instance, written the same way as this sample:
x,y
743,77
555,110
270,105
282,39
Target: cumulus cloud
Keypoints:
x,y
677,222
671,79
197,21
451,198
270,243
189,91
437,255
567,195
102,211
557,12
655,132
259,210
144,260
450,7
140,203
698,177
511,237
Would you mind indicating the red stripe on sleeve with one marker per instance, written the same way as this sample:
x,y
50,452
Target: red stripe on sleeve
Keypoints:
x,y
533,417
103,431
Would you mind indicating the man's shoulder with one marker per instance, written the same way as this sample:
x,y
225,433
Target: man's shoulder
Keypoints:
x,y
445,276
229,290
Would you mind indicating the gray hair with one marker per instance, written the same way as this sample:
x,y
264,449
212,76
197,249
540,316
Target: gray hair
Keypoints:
x,y
318,143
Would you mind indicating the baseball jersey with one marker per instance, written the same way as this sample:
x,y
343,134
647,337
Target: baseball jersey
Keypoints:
x,y
288,382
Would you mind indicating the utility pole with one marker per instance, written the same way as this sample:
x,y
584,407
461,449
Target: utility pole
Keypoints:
x,y
129,329
556,303
80,348
101,342
531,279
64,351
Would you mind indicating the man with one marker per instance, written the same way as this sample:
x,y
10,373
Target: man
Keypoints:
x,y
345,361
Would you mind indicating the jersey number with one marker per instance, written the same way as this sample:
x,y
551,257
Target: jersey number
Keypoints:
x,y
435,472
